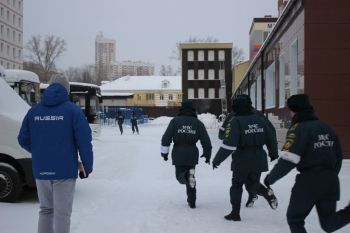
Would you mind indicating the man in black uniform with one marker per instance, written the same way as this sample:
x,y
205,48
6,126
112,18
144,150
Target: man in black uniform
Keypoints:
x,y
134,123
185,130
245,136
120,120
249,185
312,147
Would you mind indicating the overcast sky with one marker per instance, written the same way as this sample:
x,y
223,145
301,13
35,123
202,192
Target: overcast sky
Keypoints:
x,y
145,30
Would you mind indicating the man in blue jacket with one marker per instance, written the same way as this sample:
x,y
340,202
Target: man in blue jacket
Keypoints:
x,y
54,131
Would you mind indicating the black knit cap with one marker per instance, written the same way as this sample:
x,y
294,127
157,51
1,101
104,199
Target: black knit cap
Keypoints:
x,y
242,96
299,103
241,103
187,105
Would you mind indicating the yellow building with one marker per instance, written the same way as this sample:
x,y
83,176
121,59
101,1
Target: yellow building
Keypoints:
x,y
238,73
143,91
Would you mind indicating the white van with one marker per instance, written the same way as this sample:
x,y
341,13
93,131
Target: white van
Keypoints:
x,y
15,162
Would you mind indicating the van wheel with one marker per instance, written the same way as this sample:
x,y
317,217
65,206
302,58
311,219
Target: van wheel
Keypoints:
x,y
10,183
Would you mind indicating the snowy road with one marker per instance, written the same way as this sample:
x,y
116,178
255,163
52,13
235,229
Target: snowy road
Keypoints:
x,y
132,190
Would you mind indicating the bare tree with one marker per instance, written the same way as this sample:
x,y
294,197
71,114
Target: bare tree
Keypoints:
x,y
166,71
237,55
45,52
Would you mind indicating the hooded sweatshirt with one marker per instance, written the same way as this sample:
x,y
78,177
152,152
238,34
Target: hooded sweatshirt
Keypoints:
x,y
53,131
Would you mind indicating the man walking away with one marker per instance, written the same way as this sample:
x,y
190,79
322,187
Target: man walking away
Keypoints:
x,y
133,120
314,150
54,132
185,130
120,121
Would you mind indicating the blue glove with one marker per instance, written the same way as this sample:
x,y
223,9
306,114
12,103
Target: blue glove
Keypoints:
x,y
165,156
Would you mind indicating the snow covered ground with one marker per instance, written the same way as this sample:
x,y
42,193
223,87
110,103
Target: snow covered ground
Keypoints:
x,y
132,190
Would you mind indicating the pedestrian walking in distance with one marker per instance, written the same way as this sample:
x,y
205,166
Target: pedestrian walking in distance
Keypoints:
x,y
55,132
120,121
312,148
245,136
134,126
184,131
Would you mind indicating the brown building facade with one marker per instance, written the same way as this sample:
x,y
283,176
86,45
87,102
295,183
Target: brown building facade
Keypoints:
x,y
207,76
307,52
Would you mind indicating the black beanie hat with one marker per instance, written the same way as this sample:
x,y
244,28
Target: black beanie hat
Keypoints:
x,y
187,105
241,103
299,103
242,96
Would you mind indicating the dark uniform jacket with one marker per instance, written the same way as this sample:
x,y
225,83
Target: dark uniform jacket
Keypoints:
x,y
185,130
244,138
133,120
232,115
310,145
120,119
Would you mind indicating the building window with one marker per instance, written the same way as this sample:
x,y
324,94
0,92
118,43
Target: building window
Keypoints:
x,y
149,96
14,52
14,18
190,74
20,21
8,15
211,93
138,97
252,94
165,84
201,93
170,97
161,97
190,93
294,68
8,33
270,95
282,82
221,74
200,55
19,37
179,96
13,35
221,55
2,11
1,47
201,74
258,93
8,50
211,74
2,29
190,55
211,56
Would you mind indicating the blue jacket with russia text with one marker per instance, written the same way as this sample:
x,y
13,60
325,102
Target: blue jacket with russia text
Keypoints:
x,y
53,131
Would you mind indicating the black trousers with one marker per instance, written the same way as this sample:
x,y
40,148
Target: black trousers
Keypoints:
x,y
250,179
181,173
121,128
134,127
320,189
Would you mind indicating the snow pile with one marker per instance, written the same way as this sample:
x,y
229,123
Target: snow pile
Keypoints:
x,y
164,120
209,120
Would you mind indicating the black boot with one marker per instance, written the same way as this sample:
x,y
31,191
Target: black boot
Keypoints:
x,y
270,197
251,199
235,214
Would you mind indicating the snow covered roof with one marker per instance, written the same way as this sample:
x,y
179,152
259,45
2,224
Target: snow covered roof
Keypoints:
x,y
114,93
142,83
84,84
21,75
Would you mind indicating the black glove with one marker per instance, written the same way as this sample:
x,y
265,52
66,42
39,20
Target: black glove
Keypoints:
x,y
273,157
266,182
207,160
165,156
82,176
215,165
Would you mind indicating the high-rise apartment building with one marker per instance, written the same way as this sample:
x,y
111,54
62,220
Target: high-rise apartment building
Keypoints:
x,y
105,53
11,34
259,30
132,68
